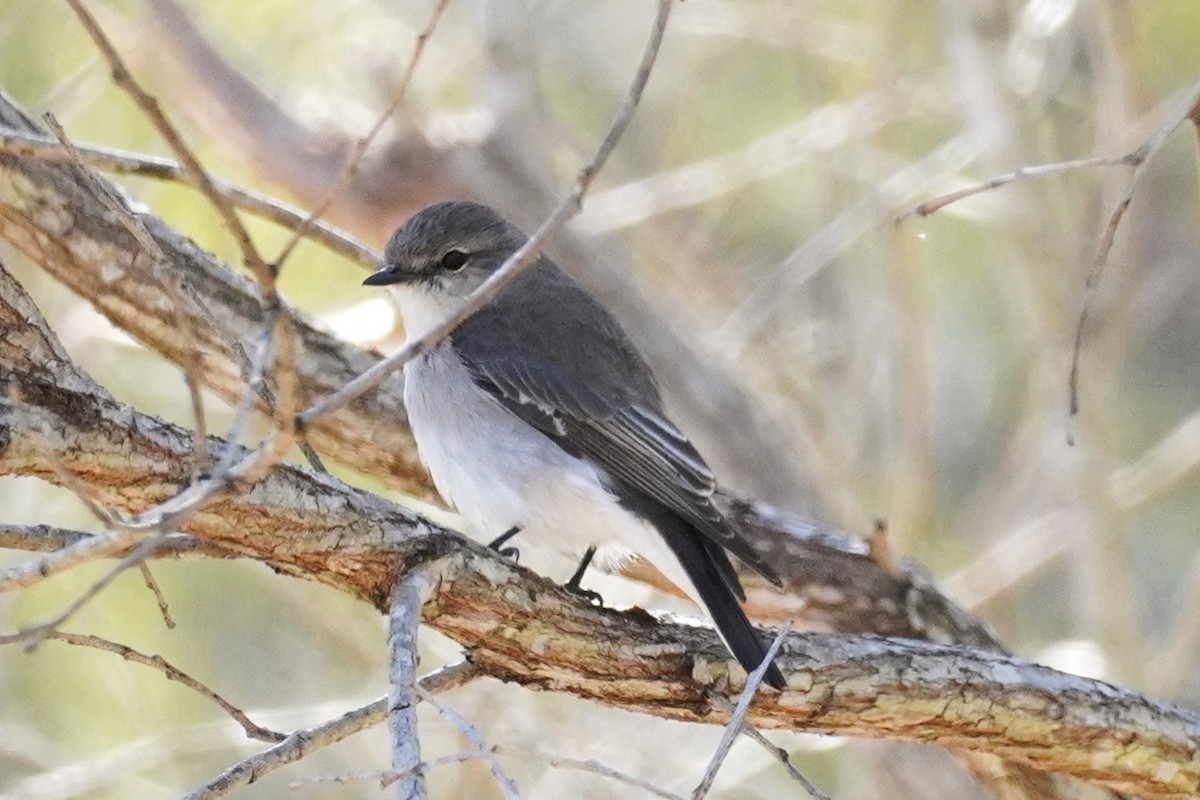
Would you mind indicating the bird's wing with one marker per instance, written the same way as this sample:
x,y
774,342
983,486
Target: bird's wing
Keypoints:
x,y
569,371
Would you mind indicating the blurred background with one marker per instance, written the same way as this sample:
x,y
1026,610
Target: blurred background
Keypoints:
x,y
825,358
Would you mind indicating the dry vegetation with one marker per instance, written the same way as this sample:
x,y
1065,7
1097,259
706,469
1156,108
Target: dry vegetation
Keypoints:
x,y
847,345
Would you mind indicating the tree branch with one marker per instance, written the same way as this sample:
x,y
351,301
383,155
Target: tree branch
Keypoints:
x,y
412,590
47,211
507,169
309,525
301,743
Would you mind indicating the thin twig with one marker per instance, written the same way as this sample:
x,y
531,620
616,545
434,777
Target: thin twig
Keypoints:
x,y
781,756
123,78
193,375
193,361
777,752
89,549
50,539
34,636
472,735
1189,109
1137,158
151,582
738,719
525,255
388,777
131,223
281,334
301,743
120,535
586,765
936,204
362,145
172,673
296,746
124,163
255,386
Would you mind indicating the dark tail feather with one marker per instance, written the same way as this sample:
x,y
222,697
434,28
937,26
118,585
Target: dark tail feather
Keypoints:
x,y
714,578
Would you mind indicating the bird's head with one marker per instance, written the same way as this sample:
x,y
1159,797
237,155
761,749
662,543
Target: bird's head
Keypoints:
x,y
447,248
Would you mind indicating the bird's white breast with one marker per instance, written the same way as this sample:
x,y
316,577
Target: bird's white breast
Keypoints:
x,y
499,472
493,467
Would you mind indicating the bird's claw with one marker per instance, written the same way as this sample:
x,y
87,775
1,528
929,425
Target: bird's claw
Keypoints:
x,y
497,544
573,586
593,598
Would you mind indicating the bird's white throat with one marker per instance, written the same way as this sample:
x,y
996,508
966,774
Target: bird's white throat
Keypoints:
x,y
422,308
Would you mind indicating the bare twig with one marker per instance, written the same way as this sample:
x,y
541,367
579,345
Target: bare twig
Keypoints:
x,y
193,362
148,578
110,519
123,163
781,755
193,374
280,332
48,539
33,636
586,765
472,735
776,752
738,720
127,219
231,471
361,146
1137,158
172,673
69,548
525,256
936,204
82,551
388,777
123,78
294,747
404,620
304,742
163,519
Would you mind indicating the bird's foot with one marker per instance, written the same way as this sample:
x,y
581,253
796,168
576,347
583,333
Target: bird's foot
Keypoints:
x,y
497,544
573,586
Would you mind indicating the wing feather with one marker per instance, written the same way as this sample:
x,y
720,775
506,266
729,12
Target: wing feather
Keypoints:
x,y
578,379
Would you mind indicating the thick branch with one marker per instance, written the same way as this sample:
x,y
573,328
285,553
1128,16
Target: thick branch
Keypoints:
x,y
507,170
49,212
519,627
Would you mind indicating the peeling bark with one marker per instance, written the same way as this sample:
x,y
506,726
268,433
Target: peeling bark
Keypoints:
x,y
519,627
48,211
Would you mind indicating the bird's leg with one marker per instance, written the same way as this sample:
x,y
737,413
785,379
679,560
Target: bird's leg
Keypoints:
x,y
497,544
573,586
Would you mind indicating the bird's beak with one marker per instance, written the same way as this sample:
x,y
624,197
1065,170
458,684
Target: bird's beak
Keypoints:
x,y
388,275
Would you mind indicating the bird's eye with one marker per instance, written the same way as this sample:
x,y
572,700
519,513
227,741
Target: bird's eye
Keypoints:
x,y
454,260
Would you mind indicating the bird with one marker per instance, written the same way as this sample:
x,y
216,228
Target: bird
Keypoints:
x,y
538,414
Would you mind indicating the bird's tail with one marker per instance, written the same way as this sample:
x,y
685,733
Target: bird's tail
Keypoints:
x,y
716,587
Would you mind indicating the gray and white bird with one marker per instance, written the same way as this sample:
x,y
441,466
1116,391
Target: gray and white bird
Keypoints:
x,y
539,414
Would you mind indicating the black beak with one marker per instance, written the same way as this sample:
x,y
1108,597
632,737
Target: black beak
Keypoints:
x,y
383,277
